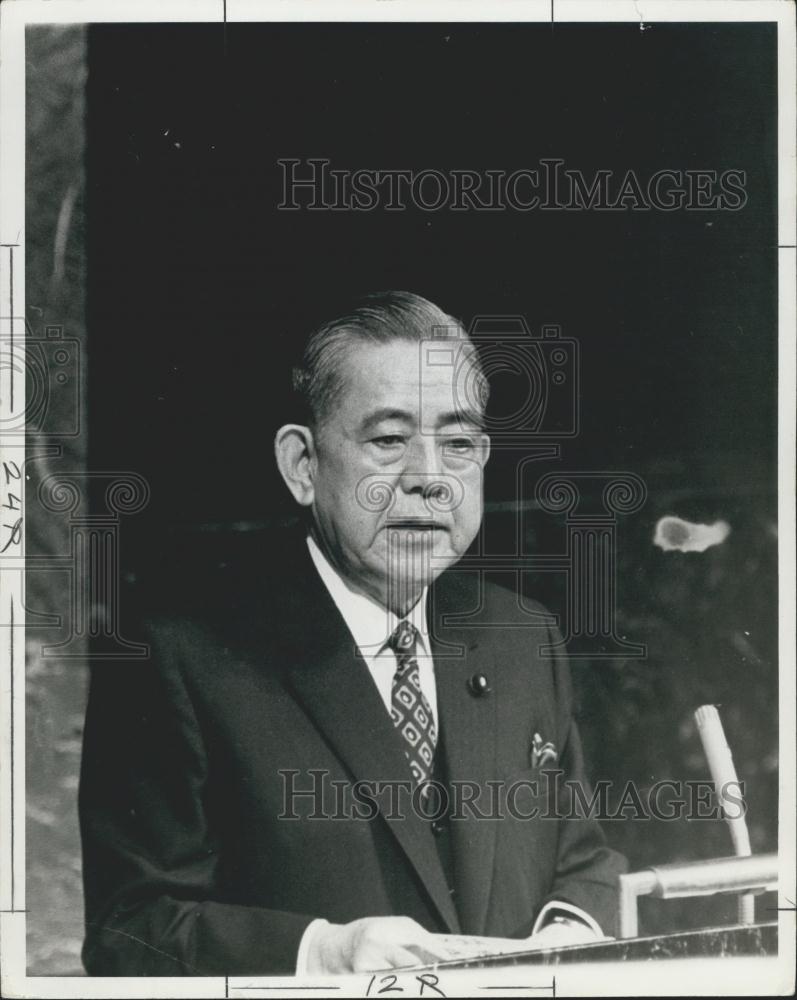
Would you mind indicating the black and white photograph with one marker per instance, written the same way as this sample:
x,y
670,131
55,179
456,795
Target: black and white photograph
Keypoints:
x,y
397,458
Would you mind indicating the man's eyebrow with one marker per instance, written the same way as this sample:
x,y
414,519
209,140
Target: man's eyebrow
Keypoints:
x,y
459,417
386,413
472,417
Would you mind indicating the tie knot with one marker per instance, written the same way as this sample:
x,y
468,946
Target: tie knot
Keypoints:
x,y
402,641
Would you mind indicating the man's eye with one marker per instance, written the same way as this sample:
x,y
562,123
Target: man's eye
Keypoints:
x,y
459,444
388,440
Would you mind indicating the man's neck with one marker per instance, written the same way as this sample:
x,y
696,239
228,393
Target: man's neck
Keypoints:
x,y
400,601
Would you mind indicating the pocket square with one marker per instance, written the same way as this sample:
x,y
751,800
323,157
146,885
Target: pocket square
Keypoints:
x,y
542,753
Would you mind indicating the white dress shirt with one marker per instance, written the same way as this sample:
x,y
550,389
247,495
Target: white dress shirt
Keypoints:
x,y
371,626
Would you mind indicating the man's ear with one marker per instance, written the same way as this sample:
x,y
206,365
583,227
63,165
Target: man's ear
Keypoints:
x,y
487,447
295,452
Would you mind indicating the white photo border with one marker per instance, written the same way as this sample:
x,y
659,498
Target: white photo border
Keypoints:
x,y
731,976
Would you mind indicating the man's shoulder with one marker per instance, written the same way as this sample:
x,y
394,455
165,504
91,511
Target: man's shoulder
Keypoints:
x,y
211,610
215,578
487,598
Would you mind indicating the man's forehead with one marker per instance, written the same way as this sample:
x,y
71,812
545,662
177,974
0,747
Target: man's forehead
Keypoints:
x,y
423,380
439,365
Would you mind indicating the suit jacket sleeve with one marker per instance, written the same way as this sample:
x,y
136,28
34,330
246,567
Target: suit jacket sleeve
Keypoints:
x,y
587,871
150,852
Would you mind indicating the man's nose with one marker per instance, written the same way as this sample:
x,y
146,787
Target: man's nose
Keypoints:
x,y
421,472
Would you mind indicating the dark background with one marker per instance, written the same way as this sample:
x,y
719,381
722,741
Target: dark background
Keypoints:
x,y
199,285
199,290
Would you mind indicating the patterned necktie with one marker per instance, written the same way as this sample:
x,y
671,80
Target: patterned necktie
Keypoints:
x,y
409,709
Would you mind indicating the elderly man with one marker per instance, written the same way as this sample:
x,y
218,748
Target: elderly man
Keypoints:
x,y
280,788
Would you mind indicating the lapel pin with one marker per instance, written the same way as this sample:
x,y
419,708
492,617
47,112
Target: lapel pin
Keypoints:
x,y
542,753
479,685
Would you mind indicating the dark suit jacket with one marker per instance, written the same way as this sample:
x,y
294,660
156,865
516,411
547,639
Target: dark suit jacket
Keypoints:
x,y
190,866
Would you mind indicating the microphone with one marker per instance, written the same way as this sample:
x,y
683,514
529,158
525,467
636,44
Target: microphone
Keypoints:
x,y
723,774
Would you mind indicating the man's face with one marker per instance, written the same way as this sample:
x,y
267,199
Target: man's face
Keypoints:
x,y
397,481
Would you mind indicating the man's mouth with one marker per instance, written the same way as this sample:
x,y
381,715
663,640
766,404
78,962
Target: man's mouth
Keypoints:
x,y
414,524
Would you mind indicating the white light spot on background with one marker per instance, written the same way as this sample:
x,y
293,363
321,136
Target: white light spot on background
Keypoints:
x,y
676,535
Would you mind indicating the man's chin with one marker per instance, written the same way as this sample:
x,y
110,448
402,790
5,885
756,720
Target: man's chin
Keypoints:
x,y
411,585
415,562
408,571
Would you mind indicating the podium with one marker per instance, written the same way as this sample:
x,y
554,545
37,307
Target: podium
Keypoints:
x,y
738,875
711,942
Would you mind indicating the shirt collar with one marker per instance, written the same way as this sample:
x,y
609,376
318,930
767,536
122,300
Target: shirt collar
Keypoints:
x,y
369,623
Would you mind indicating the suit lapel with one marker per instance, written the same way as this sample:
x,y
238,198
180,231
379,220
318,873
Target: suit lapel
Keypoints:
x,y
332,682
468,723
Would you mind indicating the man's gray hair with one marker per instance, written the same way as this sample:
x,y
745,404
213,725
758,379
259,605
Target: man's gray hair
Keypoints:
x,y
378,318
